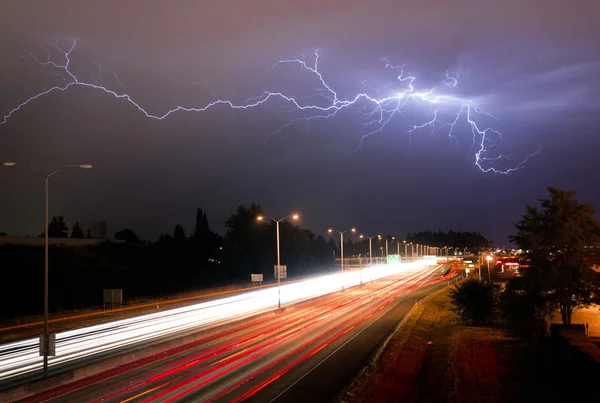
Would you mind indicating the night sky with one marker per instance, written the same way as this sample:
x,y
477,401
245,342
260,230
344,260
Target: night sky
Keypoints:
x,y
532,64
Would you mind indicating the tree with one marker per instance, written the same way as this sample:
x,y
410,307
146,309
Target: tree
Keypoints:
x,y
240,223
76,231
58,228
555,237
88,234
335,251
164,238
474,301
3,234
127,235
524,309
179,233
202,229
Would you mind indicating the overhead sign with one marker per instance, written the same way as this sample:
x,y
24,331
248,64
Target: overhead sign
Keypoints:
x,y
393,259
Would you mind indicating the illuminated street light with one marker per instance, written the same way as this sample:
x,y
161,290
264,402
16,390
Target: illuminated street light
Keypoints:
x,y
262,218
46,337
398,242
488,258
386,245
370,249
330,230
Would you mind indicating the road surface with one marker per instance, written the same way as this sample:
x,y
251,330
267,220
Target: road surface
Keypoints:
x,y
308,352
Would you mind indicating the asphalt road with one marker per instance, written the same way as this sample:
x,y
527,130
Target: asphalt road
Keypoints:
x,y
308,352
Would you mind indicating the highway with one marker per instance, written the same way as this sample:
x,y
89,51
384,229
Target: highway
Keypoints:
x,y
313,348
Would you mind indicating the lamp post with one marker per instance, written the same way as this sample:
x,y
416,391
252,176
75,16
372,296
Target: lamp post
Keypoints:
x,y
370,248
47,176
397,244
386,245
330,230
405,248
262,218
488,258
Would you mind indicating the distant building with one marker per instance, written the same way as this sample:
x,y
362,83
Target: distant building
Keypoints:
x,y
98,229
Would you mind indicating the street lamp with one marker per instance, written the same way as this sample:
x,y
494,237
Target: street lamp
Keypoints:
x,y
397,244
370,249
46,337
386,245
488,258
405,248
342,246
262,218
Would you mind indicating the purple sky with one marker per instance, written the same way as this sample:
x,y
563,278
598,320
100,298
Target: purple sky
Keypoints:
x,y
533,65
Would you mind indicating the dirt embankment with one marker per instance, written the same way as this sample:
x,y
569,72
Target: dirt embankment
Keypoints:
x,y
435,359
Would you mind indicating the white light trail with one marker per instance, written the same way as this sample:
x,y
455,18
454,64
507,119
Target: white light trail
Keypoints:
x,y
22,357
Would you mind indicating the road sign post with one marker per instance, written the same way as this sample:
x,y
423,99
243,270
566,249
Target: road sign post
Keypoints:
x,y
257,278
48,345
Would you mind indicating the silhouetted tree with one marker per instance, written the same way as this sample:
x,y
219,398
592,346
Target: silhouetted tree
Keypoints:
x,y
165,238
474,301
179,234
88,234
451,239
127,235
3,234
333,248
77,232
58,228
524,309
240,223
555,237
201,228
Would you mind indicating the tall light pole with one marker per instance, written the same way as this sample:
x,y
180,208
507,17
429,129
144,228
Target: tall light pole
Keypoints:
x,y
397,241
330,230
386,245
261,218
489,258
370,248
47,176
405,248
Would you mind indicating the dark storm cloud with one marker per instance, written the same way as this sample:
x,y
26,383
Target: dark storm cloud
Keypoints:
x,y
532,63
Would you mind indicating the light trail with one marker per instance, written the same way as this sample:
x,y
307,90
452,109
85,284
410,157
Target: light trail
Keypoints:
x,y
325,103
22,357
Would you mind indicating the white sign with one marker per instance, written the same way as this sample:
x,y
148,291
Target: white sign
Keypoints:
x,y
258,278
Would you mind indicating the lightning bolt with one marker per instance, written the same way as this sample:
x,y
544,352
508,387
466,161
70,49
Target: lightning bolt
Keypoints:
x,y
325,103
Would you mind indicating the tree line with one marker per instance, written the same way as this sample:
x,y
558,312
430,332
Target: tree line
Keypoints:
x,y
177,262
450,239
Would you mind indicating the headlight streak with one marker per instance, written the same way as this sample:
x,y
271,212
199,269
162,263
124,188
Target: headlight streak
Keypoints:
x,y
326,104
351,323
20,358
329,311
321,312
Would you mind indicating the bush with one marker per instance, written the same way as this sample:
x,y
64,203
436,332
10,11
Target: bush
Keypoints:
x,y
474,301
523,310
